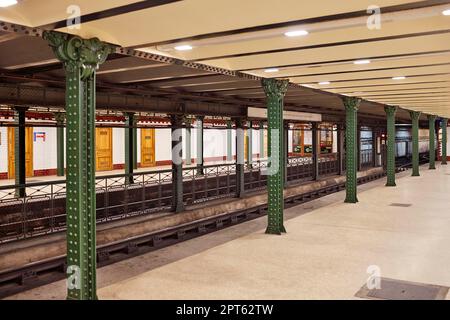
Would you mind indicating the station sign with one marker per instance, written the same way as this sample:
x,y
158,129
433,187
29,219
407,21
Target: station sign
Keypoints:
x,y
261,113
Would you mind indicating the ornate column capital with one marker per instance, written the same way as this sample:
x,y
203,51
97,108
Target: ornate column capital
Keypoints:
x,y
275,87
415,115
431,117
73,51
60,117
351,103
390,110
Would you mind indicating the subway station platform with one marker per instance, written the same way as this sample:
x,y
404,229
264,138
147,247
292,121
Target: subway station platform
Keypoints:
x,y
402,231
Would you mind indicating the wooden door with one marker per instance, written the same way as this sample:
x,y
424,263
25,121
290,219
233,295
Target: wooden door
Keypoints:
x,y
103,149
28,152
148,148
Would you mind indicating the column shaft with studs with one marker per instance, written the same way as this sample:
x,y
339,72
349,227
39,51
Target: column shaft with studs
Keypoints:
x,y
19,151
315,150
200,133
275,91
188,142
240,158
229,140
250,145
177,163
340,148
390,113
351,113
80,58
432,146
444,123
129,147
60,164
415,115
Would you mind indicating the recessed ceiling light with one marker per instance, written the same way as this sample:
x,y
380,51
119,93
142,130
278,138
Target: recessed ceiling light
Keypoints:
x,y
399,78
271,70
7,3
324,83
362,61
296,33
184,47
446,12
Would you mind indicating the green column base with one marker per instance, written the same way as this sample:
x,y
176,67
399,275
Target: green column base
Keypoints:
x,y
391,184
351,200
415,174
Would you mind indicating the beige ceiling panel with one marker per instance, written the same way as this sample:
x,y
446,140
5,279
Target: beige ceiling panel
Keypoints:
x,y
398,88
374,74
207,49
193,17
344,52
34,13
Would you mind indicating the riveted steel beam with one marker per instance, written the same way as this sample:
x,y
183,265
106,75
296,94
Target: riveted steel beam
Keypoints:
x,y
390,112
351,113
275,91
415,115
80,58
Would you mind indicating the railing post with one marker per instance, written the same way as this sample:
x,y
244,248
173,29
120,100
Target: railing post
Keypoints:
x,y
315,150
177,163
390,112
432,151
351,108
200,158
275,91
415,115
60,165
240,159
444,122
80,58
129,147
19,151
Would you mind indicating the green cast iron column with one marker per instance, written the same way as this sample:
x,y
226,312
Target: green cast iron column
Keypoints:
x,y
19,151
188,142
444,122
340,148
415,115
432,152
200,158
250,144
275,91
129,147
351,113
135,145
60,117
315,150
261,140
229,140
240,158
177,163
80,58
390,112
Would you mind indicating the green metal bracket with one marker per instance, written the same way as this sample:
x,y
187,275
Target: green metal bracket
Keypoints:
x,y
390,112
351,105
432,147
415,115
81,58
275,91
444,123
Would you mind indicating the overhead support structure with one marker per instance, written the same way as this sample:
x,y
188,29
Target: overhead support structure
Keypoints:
x,y
177,163
60,165
444,123
275,91
200,159
240,158
315,150
351,119
19,151
81,58
129,147
390,113
432,139
415,115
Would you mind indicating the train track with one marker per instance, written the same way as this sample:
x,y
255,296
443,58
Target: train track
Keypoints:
x,y
47,271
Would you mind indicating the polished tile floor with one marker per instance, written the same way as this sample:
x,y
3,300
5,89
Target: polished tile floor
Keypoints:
x,y
403,232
